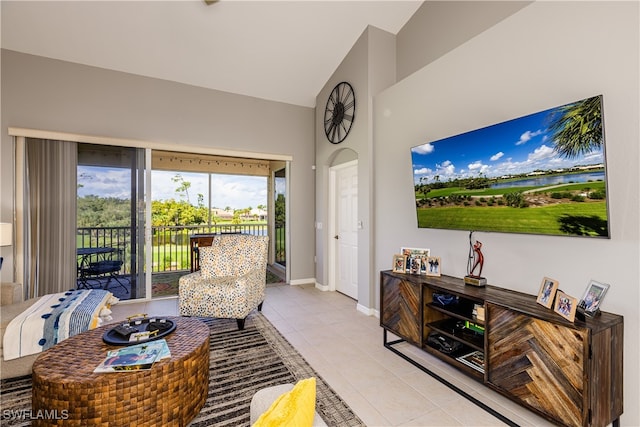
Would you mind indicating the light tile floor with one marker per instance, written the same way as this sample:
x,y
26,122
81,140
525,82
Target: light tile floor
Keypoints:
x,y
345,348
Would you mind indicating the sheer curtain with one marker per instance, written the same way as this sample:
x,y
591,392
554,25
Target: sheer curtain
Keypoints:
x,y
50,216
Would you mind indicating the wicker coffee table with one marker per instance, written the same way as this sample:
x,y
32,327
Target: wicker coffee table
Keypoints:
x,y
171,393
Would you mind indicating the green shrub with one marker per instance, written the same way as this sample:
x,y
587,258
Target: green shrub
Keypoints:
x,y
515,199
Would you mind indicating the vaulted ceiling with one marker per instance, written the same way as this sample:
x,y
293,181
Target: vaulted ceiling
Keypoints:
x,y
277,50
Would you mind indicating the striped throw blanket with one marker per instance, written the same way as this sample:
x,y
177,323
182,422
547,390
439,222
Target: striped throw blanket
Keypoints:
x,y
53,318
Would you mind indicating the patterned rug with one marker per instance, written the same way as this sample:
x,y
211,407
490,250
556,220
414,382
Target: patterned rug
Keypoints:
x,y
242,362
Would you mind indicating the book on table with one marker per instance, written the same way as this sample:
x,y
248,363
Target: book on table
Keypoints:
x,y
135,357
475,359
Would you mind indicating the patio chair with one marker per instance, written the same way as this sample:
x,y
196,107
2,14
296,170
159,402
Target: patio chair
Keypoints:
x,y
231,280
108,267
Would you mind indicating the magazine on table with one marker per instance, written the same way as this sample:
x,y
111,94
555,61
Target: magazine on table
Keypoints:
x,y
474,359
135,357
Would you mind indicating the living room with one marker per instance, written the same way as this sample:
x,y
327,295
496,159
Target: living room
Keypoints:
x,y
454,67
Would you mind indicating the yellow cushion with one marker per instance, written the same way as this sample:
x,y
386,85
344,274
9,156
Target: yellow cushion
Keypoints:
x,y
294,408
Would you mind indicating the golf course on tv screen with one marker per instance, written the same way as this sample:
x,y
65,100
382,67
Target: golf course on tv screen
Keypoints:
x,y
539,174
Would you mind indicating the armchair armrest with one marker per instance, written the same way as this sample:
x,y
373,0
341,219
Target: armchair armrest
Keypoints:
x,y
11,293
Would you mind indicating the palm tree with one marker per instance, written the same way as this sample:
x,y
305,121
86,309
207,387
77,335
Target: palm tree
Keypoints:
x,y
577,128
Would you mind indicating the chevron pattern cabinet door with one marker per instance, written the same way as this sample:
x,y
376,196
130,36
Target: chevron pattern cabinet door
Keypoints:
x,y
540,364
401,308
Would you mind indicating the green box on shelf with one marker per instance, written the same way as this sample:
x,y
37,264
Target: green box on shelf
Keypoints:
x,y
474,327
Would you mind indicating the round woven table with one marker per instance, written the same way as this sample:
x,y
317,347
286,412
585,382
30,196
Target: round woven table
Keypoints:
x,y
171,393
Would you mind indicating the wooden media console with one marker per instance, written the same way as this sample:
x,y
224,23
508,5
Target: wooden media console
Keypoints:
x,y
568,372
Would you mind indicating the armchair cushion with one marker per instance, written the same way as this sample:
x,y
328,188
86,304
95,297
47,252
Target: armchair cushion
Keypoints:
x,y
226,297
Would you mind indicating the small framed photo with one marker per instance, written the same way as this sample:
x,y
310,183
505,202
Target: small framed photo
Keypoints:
x,y
415,265
592,298
433,266
547,291
566,306
399,263
414,253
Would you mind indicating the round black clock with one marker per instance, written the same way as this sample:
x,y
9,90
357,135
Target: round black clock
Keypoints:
x,y
339,113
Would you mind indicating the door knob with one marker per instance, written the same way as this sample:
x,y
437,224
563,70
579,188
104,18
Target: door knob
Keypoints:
x,y
336,237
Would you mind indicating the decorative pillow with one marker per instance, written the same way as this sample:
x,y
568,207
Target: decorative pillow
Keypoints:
x,y
296,407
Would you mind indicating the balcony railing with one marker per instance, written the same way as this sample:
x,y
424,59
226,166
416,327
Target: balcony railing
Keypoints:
x,y
170,244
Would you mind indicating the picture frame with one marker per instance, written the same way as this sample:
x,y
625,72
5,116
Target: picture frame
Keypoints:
x,y
415,265
566,306
412,254
433,266
423,266
592,299
547,292
399,263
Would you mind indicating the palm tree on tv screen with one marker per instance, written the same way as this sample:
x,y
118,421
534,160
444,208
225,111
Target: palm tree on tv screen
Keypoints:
x,y
577,127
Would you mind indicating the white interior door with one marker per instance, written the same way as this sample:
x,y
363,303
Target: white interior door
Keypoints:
x,y
346,229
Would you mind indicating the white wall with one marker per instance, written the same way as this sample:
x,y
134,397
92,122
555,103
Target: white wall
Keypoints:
x,y
369,67
353,69
545,55
41,93
440,26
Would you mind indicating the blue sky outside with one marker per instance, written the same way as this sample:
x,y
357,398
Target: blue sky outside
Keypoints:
x,y
234,191
517,146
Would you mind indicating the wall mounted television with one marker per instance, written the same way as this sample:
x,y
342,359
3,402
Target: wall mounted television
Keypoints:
x,y
539,174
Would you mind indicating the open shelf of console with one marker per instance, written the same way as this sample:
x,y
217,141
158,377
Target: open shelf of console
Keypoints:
x,y
457,331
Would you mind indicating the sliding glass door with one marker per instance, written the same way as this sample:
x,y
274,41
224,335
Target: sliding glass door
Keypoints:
x,y
111,219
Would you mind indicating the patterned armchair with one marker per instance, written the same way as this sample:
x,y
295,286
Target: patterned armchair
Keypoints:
x,y
231,280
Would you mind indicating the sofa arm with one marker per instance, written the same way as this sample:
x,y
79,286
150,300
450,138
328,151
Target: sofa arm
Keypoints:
x,y
11,293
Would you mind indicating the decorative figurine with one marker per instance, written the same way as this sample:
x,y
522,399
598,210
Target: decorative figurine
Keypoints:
x,y
475,260
479,259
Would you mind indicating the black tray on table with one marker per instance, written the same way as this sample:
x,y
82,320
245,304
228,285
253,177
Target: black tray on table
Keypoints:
x,y
163,325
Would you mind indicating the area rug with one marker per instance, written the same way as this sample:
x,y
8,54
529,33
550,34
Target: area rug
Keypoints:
x,y
242,362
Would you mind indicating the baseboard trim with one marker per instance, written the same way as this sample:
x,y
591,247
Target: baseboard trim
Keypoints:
x,y
368,311
323,288
296,282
